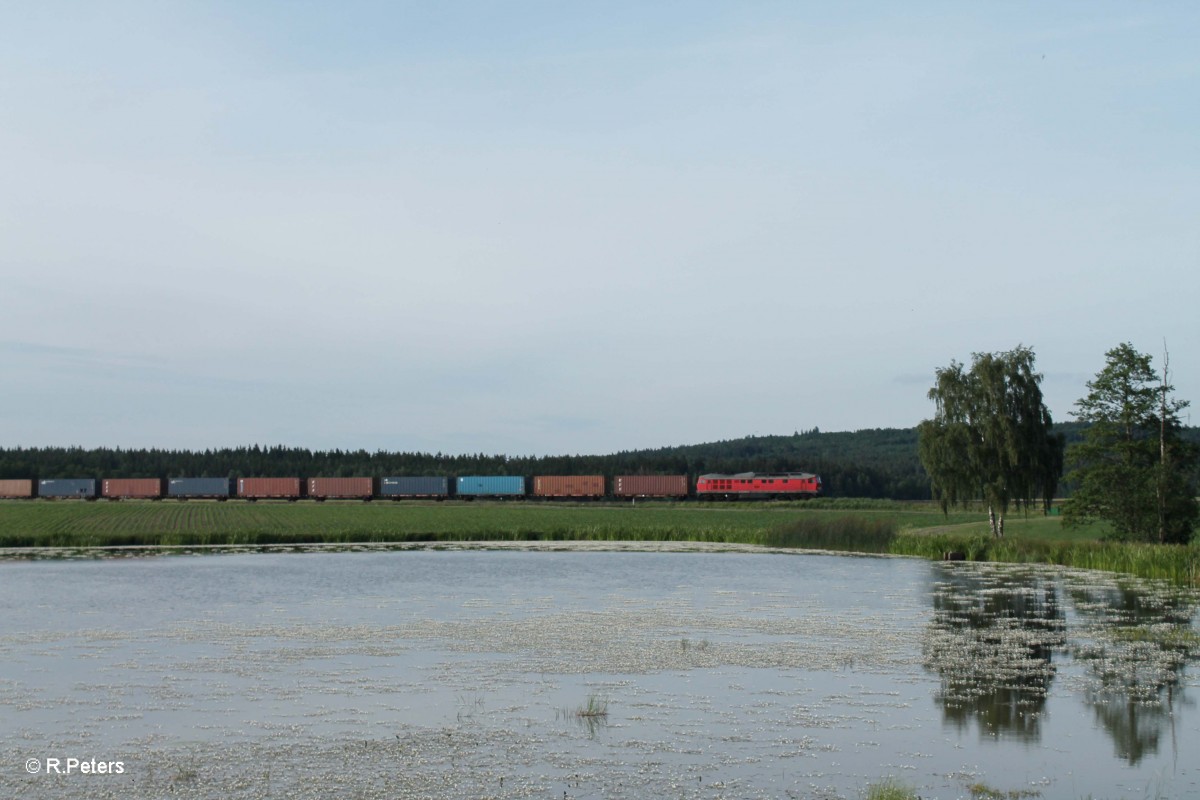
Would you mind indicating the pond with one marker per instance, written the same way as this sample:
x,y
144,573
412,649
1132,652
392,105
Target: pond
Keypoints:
x,y
577,672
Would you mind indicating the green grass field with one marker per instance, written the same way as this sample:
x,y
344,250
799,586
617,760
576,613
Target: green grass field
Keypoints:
x,y
917,529
1032,526
74,524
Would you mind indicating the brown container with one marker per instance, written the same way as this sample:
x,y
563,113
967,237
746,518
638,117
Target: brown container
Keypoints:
x,y
16,487
143,488
568,486
325,488
265,488
650,486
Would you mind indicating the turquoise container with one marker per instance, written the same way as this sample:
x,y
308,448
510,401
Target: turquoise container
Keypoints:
x,y
491,486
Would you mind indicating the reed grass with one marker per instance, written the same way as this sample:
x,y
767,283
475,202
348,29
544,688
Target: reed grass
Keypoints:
x,y
981,791
596,707
77,524
866,527
890,790
846,532
1175,563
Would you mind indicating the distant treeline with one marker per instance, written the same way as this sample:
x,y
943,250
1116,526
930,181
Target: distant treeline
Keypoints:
x,y
879,463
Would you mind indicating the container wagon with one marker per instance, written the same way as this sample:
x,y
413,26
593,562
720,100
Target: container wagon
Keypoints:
x,y
751,485
16,488
402,488
269,488
200,488
321,489
650,486
82,488
490,486
131,488
575,486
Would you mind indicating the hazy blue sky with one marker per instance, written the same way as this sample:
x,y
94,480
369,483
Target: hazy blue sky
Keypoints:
x,y
559,227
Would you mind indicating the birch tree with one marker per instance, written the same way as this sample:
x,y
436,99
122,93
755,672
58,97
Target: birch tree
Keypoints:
x,y
991,436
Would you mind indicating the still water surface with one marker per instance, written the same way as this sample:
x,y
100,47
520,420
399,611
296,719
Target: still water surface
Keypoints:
x,y
461,673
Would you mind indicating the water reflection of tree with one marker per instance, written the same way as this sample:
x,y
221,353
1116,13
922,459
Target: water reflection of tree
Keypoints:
x,y
991,642
1136,643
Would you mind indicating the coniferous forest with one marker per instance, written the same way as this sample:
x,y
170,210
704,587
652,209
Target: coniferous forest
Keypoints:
x,y
873,463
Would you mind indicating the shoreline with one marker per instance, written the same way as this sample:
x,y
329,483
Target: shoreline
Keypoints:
x,y
531,545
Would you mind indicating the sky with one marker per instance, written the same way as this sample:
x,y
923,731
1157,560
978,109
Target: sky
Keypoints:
x,y
542,228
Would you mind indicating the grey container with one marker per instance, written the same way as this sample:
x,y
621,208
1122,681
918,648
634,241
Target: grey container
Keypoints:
x,y
86,488
220,488
414,487
491,486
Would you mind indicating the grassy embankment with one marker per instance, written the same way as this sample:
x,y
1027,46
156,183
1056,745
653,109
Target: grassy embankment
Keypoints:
x,y
78,524
848,525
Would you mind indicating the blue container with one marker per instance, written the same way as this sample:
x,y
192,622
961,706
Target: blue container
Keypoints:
x,y
414,487
86,488
200,487
491,486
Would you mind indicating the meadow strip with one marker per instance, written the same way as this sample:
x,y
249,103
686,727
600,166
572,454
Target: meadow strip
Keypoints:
x,y
863,526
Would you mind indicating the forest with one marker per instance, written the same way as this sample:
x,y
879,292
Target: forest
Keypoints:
x,y
873,463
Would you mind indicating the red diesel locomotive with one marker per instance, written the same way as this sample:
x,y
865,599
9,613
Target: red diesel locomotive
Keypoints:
x,y
764,485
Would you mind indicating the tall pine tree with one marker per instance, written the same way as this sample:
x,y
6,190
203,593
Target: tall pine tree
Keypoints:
x,y
1132,468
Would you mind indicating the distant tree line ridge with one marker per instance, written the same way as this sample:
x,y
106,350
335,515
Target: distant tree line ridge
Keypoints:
x,y
874,463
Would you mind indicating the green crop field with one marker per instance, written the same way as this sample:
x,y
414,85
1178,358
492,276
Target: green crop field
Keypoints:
x,y
917,529
75,524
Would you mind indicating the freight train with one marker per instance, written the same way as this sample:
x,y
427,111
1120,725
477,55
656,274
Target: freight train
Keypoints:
x,y
744,485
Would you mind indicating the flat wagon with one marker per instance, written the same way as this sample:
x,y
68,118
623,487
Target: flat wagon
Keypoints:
x,y
490,486
200,488
570,486
13,488
269,488
399,488
132,488
81,488
650,486
341,488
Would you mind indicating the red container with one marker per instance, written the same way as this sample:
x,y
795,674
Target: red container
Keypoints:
x,y
141,488
16,487
335,488
568,486
650,486
268,488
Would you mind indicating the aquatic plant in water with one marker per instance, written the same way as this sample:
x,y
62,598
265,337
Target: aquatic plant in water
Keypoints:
x,y
890,790
595,707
